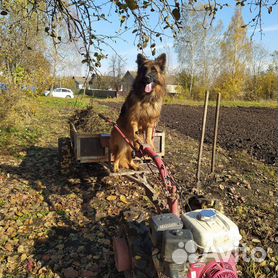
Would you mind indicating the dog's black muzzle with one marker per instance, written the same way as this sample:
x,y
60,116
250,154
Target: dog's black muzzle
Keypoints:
x,y
150,78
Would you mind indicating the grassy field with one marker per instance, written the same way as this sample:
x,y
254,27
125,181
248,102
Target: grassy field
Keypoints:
x,y
55,226
35,120
224,103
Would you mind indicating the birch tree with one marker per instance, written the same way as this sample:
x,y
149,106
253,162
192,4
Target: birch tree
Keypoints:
x,y
117,67
258,64
236,56
197,47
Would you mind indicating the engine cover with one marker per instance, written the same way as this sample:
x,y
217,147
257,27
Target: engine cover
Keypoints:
x,y
163,222
212,230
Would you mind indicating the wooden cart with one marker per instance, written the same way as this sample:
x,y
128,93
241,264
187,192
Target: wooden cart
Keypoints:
x,y
92,148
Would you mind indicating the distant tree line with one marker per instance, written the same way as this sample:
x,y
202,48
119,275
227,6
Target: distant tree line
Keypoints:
x,y
230,63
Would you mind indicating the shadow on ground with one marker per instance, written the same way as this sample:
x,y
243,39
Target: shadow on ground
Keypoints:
x,y
72,248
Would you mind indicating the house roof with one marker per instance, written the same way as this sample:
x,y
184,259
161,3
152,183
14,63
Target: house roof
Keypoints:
x,y
133,73
81,80
171,80
130,73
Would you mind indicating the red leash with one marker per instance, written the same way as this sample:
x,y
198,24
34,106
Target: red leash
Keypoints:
x,y
165,176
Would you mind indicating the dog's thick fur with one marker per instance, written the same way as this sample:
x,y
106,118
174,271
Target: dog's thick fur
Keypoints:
x,y
140,111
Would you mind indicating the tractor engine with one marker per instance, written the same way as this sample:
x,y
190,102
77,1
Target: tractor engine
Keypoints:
x,y
201,244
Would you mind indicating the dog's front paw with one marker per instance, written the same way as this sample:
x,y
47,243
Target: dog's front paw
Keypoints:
x,y
134,166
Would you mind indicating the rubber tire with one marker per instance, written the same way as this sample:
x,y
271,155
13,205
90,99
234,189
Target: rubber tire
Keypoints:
x,y
65,155
140,246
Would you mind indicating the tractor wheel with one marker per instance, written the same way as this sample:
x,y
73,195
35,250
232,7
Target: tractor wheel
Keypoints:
x,y
140,248
65,154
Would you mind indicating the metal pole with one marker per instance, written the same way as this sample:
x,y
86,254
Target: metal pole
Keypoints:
x,y
202,138
217,108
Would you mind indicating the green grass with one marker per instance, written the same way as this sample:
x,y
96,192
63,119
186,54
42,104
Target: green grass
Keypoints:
x,y
41,120
224,103
77,102
114,100
12,140
34,119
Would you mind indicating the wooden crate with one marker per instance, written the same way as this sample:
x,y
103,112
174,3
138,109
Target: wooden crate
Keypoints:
x,y
94,148
159,142
87,147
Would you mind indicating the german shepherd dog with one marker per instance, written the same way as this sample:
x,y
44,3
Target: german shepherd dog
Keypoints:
x,y
141,110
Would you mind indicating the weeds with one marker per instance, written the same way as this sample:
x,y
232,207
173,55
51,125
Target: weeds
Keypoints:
x,y
181,100
24,119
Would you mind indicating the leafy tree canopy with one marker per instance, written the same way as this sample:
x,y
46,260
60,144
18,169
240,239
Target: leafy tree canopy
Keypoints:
x,y
80,18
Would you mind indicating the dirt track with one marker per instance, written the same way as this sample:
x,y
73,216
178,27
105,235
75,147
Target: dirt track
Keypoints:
x,y
250,129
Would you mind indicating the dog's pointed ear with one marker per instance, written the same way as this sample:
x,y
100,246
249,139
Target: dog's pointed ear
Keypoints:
x,y
140,59
161,61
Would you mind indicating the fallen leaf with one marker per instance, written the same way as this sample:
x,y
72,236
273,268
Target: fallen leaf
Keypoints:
x,y
23,257
30,265
255,240
20,249
9,247
111,198
123,199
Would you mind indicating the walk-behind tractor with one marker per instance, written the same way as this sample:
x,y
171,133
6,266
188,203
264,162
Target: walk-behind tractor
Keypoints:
x,y
197,244
200,243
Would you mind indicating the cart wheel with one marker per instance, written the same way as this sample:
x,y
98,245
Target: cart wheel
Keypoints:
x,y
65,154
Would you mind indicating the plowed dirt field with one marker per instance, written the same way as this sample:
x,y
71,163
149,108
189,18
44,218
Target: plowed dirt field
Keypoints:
x,y
250,129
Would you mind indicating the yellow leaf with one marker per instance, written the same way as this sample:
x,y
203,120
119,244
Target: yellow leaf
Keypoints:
x,y
23,257
9,247
20,249
123,199
138,258
263,264
111,198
